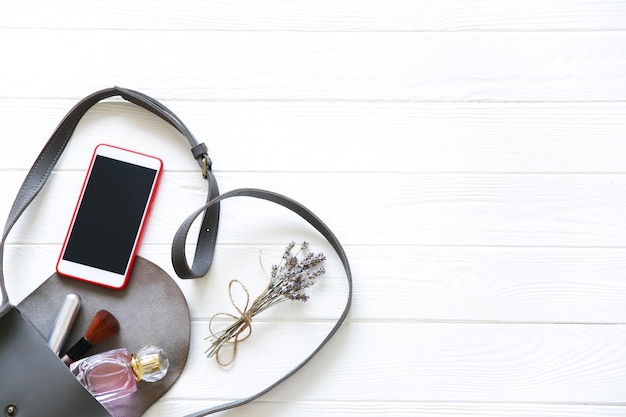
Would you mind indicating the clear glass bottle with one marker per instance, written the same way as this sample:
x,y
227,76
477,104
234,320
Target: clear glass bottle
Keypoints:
x,y
114,374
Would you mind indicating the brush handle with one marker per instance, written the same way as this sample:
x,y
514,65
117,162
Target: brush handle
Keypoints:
x,y
77,351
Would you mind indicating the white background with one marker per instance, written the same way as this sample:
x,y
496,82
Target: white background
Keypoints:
x,y
470,155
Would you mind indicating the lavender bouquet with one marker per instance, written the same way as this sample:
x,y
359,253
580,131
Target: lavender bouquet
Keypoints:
x,y
288,281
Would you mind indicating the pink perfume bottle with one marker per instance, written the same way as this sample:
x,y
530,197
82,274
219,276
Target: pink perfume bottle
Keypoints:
x,y
114,374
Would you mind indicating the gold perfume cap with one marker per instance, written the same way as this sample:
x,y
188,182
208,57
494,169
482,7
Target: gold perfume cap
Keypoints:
x,y
149,364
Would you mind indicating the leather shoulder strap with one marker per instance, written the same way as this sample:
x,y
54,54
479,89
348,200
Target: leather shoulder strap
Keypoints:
x,y
178,251
49,156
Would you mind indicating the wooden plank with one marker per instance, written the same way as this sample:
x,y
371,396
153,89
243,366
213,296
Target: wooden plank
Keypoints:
x,y
338,137
343,15
438,362
392,409
394,209
426,284
320,66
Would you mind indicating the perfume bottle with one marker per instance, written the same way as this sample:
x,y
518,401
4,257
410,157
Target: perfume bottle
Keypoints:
x,y
114,374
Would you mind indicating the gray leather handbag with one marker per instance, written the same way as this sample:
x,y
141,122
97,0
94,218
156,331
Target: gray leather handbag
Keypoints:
x,y
33,380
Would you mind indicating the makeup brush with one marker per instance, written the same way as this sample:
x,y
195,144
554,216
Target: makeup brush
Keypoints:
x,y
103,325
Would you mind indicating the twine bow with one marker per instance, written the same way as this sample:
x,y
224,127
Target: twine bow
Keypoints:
x,y
232,334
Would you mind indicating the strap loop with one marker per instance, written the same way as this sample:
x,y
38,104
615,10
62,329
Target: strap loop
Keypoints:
x,y
199,151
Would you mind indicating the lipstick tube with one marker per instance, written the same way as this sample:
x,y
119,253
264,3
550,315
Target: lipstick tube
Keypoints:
x,y
64,321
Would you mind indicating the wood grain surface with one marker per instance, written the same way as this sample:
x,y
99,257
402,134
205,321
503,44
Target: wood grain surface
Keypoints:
x,y
471,157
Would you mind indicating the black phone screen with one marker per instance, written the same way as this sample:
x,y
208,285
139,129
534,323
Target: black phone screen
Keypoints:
x,y
109,214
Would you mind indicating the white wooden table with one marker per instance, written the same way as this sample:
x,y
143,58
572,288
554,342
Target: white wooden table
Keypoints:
x,y
469,155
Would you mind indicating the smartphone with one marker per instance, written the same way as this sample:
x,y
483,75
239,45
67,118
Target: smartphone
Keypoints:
x,y
108,220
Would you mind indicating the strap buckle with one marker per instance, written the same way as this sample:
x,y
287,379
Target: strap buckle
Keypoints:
x,y
205,166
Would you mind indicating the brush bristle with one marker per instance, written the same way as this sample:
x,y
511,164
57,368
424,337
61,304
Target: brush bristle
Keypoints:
x,y
103,325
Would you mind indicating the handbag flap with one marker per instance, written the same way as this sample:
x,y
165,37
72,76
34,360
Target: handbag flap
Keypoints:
x,y
35,382
151,310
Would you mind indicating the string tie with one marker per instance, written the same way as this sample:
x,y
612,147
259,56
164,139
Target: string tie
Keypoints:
x,y
242,325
